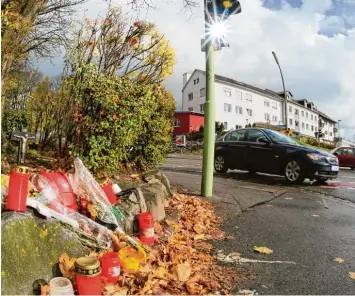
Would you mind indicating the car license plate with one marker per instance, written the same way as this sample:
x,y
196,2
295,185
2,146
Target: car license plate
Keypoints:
x,y
334,168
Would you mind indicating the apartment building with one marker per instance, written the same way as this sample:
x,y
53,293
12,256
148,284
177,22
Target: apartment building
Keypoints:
x,y
328,127
237,103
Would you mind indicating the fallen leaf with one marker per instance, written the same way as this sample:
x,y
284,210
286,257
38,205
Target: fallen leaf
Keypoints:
x,y
170,222
176,228
338,259
199,229
66,266
111,289
352,275
315,215
262,250
269,206
288,197
193,287
183,272
160,273
45,290
199,236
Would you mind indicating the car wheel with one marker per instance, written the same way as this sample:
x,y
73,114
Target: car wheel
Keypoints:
x,y
353,168
220,164
293,172
322,180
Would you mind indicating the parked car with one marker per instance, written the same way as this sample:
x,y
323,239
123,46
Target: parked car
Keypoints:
x,y
346,156
268,151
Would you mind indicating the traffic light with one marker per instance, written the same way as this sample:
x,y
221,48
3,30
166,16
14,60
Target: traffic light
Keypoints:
x,y
223,8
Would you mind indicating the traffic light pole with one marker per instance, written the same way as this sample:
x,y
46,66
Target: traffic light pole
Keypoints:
x,y
209,118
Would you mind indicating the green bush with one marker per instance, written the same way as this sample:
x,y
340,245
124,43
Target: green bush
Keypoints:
x,y
12,120
118,114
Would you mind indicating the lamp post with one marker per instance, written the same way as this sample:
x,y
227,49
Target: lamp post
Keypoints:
x,y
339,128
216,13
283,85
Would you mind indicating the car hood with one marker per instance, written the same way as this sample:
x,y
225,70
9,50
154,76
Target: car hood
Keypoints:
x,y
310,150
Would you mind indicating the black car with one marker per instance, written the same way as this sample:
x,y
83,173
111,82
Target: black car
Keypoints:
x,y
267,151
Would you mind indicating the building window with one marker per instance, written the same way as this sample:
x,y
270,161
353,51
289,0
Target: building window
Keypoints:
x,y
238,126
225,125
326,123
289,109
202,92
191,109
227,108
250,112
307,127
176,122
331,134
267,116
227,91
238,94
239,110
274,118
312,128
202,108
196,80
311,116
274,105
191,96
315,118
290,121
248,97
302,113
266,103
306,115
297,112
326,132
303,125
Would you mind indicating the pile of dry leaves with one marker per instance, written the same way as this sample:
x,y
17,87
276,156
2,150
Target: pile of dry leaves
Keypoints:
x,y
181,262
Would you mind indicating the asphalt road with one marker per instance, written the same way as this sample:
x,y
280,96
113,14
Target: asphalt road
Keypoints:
x,y
342,187
309,225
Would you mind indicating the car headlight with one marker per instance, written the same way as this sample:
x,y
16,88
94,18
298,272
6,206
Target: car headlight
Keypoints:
x,y
316,157
333,160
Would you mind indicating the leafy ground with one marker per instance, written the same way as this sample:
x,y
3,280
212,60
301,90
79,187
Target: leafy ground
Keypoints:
x,y
181,262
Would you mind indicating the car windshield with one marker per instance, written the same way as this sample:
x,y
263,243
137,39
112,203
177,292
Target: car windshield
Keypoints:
x,y
280,138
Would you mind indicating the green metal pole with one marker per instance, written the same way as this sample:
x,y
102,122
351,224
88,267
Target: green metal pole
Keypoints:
x,y
209,123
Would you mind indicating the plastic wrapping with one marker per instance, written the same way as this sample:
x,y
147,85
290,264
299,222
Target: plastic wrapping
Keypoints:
x,y
49,197
86,187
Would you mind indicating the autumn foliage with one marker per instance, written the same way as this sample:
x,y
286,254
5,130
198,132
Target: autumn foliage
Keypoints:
x,y
181,262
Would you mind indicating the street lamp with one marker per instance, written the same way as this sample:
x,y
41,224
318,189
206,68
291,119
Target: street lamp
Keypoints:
x,y
216,14
339,128
283,85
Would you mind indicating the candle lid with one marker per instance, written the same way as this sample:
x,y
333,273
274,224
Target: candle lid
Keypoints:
x,y
22,169
87,263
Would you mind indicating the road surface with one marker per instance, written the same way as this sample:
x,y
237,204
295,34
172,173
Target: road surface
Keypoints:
x,y
310,225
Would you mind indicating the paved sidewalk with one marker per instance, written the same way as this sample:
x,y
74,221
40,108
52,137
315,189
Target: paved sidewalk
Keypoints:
x,y
237,196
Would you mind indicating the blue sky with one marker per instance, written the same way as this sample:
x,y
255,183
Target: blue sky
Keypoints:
x,y
314,40
341,15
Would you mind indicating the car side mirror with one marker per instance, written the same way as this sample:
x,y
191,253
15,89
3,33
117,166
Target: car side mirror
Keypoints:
x,y
263,140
